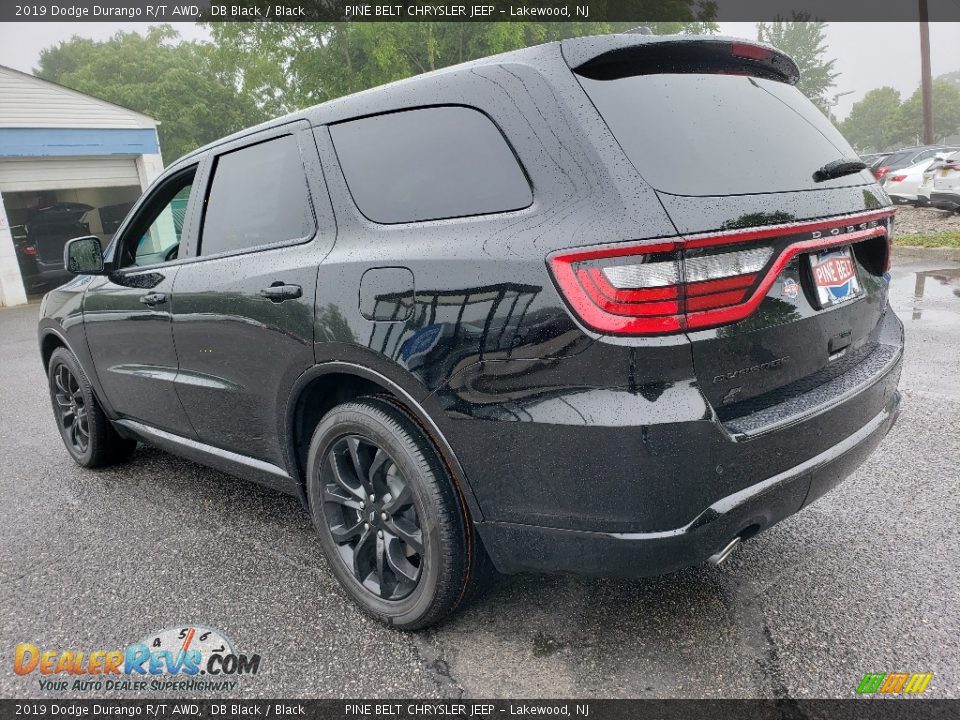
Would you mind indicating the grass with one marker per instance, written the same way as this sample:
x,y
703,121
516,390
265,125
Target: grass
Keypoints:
x,y
946,238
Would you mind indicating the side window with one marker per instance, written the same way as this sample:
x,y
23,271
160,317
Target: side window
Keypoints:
x,y
429,164
154,237
258,196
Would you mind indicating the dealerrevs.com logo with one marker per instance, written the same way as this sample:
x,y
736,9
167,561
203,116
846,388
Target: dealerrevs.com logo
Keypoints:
x,y
191,658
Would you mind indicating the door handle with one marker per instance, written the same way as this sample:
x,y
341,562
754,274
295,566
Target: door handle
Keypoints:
x,y
152,299
278,292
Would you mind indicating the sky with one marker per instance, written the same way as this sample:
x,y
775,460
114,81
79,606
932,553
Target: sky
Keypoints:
x,y
868,55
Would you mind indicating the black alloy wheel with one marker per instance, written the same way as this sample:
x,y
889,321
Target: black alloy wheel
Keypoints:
x,y
391,522
87,433
372,517
71,410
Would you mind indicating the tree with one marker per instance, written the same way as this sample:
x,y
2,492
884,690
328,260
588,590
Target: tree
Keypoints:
x,y
871,122
951,77
908,121
287,66
176,83
804,40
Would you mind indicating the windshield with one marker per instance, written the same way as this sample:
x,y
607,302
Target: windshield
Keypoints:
x,y
716,134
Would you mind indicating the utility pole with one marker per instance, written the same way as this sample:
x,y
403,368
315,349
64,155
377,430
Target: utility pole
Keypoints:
x,y
926,89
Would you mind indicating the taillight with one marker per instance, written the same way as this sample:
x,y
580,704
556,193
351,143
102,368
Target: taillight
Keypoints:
x,y
721,279
880,172
897,178
29,250
692,283
623,290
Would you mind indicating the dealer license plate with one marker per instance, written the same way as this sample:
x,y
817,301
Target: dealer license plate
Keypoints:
x,y
834,276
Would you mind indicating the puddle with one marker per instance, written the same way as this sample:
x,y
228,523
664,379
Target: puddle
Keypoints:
x,y
928,296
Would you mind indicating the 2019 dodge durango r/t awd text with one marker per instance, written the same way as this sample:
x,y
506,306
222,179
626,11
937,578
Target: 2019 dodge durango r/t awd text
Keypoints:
x,y
604,306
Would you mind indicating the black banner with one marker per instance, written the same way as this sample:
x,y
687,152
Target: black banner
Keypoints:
x,y
638,11
854,709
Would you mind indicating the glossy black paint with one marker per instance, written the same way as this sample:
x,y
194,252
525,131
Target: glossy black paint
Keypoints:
x,y
553,433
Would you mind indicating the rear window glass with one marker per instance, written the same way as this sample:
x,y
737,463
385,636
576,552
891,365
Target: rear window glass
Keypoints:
x,y
429,164
895,158
712,134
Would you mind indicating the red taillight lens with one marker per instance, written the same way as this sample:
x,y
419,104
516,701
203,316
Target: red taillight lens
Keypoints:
x,y
29,250
623,290
897,178
881,172
696,282
639,290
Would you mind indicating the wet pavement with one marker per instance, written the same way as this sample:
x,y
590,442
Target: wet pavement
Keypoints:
x,y
865,580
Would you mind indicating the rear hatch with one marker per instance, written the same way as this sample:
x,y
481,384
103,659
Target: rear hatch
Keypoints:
x,y
779,277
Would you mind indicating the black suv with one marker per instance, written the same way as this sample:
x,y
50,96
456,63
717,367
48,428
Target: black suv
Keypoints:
x,y
604,306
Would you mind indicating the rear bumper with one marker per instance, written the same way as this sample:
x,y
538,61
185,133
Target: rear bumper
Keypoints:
x,y
527,548
902,197
634,482
945,200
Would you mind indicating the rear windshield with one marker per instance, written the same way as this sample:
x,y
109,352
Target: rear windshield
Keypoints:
x,y
713,134
895,158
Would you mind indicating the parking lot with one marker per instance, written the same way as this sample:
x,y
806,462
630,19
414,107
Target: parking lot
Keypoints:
x,y
866,580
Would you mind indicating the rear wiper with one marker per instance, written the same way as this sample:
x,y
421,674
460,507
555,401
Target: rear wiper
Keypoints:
x,y
838,168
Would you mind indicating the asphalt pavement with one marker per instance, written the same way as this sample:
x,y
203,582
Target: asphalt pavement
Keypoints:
x,y
865,580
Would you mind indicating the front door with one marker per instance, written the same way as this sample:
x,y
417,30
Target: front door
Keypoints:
x,y
243,311
127,313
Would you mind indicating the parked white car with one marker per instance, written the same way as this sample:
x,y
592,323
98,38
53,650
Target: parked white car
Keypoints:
x,y
946,184
926,184
903,185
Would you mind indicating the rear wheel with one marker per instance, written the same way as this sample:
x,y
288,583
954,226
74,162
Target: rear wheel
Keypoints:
x,y
390,521
86,432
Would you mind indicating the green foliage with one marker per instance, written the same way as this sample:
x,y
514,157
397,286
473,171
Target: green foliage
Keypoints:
x,y
951,77
288,66
803,39
908,122
177,83
880,121
945,238
871,122
201,91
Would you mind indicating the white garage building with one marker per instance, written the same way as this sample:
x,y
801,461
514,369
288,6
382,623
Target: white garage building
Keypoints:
x,y
70,164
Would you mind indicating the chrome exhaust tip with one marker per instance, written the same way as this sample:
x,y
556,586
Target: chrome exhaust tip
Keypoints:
x,y
727,551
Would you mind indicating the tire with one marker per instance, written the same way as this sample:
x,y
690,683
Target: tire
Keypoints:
x,y
86,432
409,557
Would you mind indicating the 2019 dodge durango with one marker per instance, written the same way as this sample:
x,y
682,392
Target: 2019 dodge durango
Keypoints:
x,y
604,306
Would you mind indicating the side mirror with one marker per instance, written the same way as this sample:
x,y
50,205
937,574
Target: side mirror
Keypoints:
x,y
83,256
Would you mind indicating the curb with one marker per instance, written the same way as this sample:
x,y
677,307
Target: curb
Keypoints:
x,y
940,253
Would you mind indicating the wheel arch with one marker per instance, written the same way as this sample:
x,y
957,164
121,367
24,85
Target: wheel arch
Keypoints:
x,y
50,340
328,384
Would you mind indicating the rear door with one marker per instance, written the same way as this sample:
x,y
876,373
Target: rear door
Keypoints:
x,y
243,305
783,274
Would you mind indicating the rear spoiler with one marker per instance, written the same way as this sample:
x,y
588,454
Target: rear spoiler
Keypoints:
x,y
606,57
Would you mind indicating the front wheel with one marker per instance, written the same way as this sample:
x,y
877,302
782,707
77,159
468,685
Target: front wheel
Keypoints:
x,y
86,431
390,521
